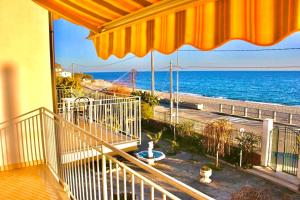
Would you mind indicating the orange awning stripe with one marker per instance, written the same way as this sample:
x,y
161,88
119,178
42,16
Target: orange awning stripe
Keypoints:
x,y
166,25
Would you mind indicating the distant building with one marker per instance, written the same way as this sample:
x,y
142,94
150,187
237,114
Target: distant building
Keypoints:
x,y
65,74
61,72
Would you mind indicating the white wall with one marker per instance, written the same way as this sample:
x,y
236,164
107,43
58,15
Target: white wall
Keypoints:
x,y
24,42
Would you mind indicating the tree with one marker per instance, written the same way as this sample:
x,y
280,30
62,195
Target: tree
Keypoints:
x,y
218,135
247,143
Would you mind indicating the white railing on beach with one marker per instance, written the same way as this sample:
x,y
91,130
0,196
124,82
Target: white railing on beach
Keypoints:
x,y
79,162
260,114
116,120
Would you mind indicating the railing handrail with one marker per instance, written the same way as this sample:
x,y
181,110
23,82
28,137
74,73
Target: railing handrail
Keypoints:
x,y
112,99
19,116
170,180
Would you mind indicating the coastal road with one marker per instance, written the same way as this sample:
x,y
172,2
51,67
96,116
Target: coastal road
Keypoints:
x,y
204,116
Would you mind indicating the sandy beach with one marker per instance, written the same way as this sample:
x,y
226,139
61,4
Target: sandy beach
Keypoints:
x,y
211,104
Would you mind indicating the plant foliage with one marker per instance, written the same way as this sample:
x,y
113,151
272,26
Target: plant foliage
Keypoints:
x,y
185,128
155,137
248,144
147,97
218,135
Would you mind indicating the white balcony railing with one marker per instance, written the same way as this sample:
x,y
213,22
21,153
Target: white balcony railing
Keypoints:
x,y
112,119
78,160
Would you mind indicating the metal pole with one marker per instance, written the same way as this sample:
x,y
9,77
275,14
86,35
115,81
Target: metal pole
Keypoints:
x,y
52,63
152,74
242,130
73,70
177,88
171,93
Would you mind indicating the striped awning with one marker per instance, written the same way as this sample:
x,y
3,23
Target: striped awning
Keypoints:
x,y
139,26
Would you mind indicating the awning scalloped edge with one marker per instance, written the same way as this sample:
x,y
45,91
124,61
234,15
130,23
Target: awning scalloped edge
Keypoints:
x,y
204,26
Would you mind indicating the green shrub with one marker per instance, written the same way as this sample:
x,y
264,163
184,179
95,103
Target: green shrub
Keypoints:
x,y
248,143
147,97
174,148
147,110
205,168
185,128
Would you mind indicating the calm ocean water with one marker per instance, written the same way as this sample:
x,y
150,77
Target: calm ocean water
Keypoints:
x,y
262,86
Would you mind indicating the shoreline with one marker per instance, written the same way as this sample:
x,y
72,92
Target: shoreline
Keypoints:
x,y
211,104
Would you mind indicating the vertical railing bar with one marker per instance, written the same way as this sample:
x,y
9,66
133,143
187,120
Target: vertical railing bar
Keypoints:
x,y
85,170
79,172
124,182
111,180
104,178
73,160
81,166
25,151
117,181
142,189
74,150
94,174
19,132
98,177
43,134
111,123
37,141
132,187
64,142
152,193
89,170
18,143
30,158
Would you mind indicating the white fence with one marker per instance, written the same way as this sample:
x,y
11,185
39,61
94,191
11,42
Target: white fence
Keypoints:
x,y
77,159
260,114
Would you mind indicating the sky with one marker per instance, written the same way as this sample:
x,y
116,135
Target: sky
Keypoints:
x,y
72,46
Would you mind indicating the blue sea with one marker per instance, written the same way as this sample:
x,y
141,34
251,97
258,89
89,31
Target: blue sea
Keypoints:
x,y
280,87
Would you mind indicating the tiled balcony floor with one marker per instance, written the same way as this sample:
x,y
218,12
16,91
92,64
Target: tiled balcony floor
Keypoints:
x,y
30,183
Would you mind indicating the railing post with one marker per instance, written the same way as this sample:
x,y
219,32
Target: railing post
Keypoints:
x,y
246,112
298,170
221,108
232,109
259,114
291,119
91,112
266,141
274,116
43,133
58,132
104,177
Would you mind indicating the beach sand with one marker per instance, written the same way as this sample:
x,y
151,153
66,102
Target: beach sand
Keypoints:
x,y
213,105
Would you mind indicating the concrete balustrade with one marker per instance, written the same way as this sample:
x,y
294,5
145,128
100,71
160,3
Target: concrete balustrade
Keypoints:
x,y
246,112
259,114
290,118
255,113
274,116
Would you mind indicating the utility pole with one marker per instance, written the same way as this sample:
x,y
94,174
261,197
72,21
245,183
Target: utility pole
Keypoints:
x,y
133,79
73,70
171,93
152,74
177,88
